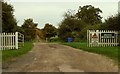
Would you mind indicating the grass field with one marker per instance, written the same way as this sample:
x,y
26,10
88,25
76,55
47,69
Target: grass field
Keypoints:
x,y
111,52
9,54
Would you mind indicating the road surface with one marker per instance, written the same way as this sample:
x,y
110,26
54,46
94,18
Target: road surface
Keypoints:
x,y
53,57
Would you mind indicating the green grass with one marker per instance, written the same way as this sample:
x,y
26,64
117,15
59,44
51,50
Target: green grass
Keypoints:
x,y
9,54
111,52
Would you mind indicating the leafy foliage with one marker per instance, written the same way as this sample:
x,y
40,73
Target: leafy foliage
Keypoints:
x,y
73,25
76,24
83,32
29,28
9,23
49,30
89,14
112,23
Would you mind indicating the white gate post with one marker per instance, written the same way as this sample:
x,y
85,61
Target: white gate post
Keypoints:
x,y
97,32
87,38
16,40
116,38
23,40
0,41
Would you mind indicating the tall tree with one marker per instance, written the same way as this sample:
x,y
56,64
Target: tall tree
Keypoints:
x,y
9,23
89,14
112,23
49,30
70,26
71,21
29,28
74,23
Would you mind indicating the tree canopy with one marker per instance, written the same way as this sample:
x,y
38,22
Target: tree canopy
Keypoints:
x,y
89,14
74,24
29,28
112,23
9,23
49,30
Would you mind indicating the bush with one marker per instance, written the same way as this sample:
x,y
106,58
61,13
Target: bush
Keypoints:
x,y
83,33
55,39
78,40
28,38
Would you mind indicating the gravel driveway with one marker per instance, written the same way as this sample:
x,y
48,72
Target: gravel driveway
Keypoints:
x,y
53,57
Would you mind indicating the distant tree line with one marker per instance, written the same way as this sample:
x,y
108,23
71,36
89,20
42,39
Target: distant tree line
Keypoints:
x,y
73,25
28,28
9,23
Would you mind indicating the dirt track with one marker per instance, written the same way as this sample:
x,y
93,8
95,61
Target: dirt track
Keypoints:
x,y
45,57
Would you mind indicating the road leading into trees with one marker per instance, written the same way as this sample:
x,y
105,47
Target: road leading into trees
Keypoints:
x,y
53,57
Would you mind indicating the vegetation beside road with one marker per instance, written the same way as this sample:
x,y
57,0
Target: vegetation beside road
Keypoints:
x,y
74,25
111,52
9,54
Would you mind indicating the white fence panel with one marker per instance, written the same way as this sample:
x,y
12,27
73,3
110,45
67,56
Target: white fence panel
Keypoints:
x,y
10,40
102,38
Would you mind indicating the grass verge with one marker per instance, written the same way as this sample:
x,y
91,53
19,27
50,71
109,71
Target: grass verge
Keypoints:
x,y
9,54
111,52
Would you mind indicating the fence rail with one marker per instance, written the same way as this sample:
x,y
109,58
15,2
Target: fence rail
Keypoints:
x,y
102,38
11,40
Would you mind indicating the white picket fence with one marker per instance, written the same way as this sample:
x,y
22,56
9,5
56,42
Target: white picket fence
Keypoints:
x,y
102,38
11,40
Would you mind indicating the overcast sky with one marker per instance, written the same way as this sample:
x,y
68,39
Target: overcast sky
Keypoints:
x,y
51,11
